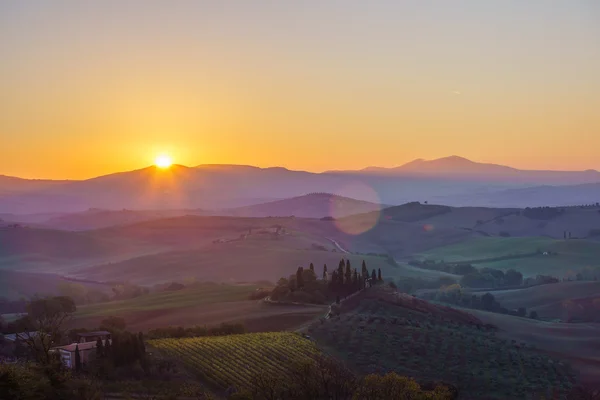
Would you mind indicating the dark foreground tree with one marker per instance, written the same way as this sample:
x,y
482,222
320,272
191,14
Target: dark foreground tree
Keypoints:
x,y
77,359
43,327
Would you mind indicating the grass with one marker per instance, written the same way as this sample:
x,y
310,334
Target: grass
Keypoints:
x,y
572,254
243,261
203,294
236,360
547,300
205,305
378,336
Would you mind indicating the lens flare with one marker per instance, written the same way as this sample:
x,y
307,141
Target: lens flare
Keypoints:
x,y
351,219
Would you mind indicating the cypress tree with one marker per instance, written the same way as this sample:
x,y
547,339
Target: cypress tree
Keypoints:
x,y
379,275
142,344
348,277
340,273
364,271
325,272
77,359
99,348
333,284
312,267
355,281
373,276
107,349
299,277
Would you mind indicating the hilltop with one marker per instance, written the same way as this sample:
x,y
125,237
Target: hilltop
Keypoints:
x,y
452,180
314,205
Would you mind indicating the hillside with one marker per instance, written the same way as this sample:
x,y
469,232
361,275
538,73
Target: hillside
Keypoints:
x,y
576,344
381,331
554,301
315,205
525,254
453,181
15,285
98,218
49,250
199,304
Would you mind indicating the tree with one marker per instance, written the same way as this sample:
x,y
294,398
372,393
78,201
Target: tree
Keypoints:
x,y
299,277
312,267
487,301
113,323
77,359
379,275
348,276
522,312
533,315
513,278
99,348
325,272
374,275
44,325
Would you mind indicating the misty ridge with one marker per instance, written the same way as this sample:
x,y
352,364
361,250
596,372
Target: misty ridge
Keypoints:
x,y
453,181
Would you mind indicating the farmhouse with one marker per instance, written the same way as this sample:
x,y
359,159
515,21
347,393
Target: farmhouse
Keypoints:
x,y
86,345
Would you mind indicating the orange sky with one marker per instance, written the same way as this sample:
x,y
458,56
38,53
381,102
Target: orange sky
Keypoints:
x,y
92,88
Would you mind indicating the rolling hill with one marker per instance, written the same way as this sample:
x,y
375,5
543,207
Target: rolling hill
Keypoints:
x,y
525,254
315,205
452,181
381,331
549,301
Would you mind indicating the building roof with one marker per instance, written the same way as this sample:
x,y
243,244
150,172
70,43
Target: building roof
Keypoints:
x,y
82,346
22,335
90,334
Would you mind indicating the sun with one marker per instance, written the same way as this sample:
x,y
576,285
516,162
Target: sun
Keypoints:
x,y
163,161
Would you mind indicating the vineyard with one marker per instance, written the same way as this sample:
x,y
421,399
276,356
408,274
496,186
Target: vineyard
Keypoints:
x,y
380,337
235,360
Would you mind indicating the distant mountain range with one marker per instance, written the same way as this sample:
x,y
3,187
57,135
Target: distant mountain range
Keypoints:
x,y
452,181
456,167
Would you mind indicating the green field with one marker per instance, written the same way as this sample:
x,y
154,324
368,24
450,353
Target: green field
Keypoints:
x,y
572,254
378,336
487,247
202,294
238,359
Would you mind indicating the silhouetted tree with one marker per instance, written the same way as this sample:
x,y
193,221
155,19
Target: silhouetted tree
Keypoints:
x,y
513,278
373,276
312,267
99,348
348,276
325,272
379,275
533,315
77,359
299,277
522,312
487,301
364,271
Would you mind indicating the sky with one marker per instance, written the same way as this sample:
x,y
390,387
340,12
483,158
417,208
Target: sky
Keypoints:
x,y
93,87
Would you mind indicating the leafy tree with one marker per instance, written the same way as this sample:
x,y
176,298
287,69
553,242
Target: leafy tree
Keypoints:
x,y
487,301
113,323
99,348
44,325
513,278
77,359
300,277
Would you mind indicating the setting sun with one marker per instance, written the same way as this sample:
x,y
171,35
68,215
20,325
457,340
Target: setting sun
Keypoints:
x,y
163,161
